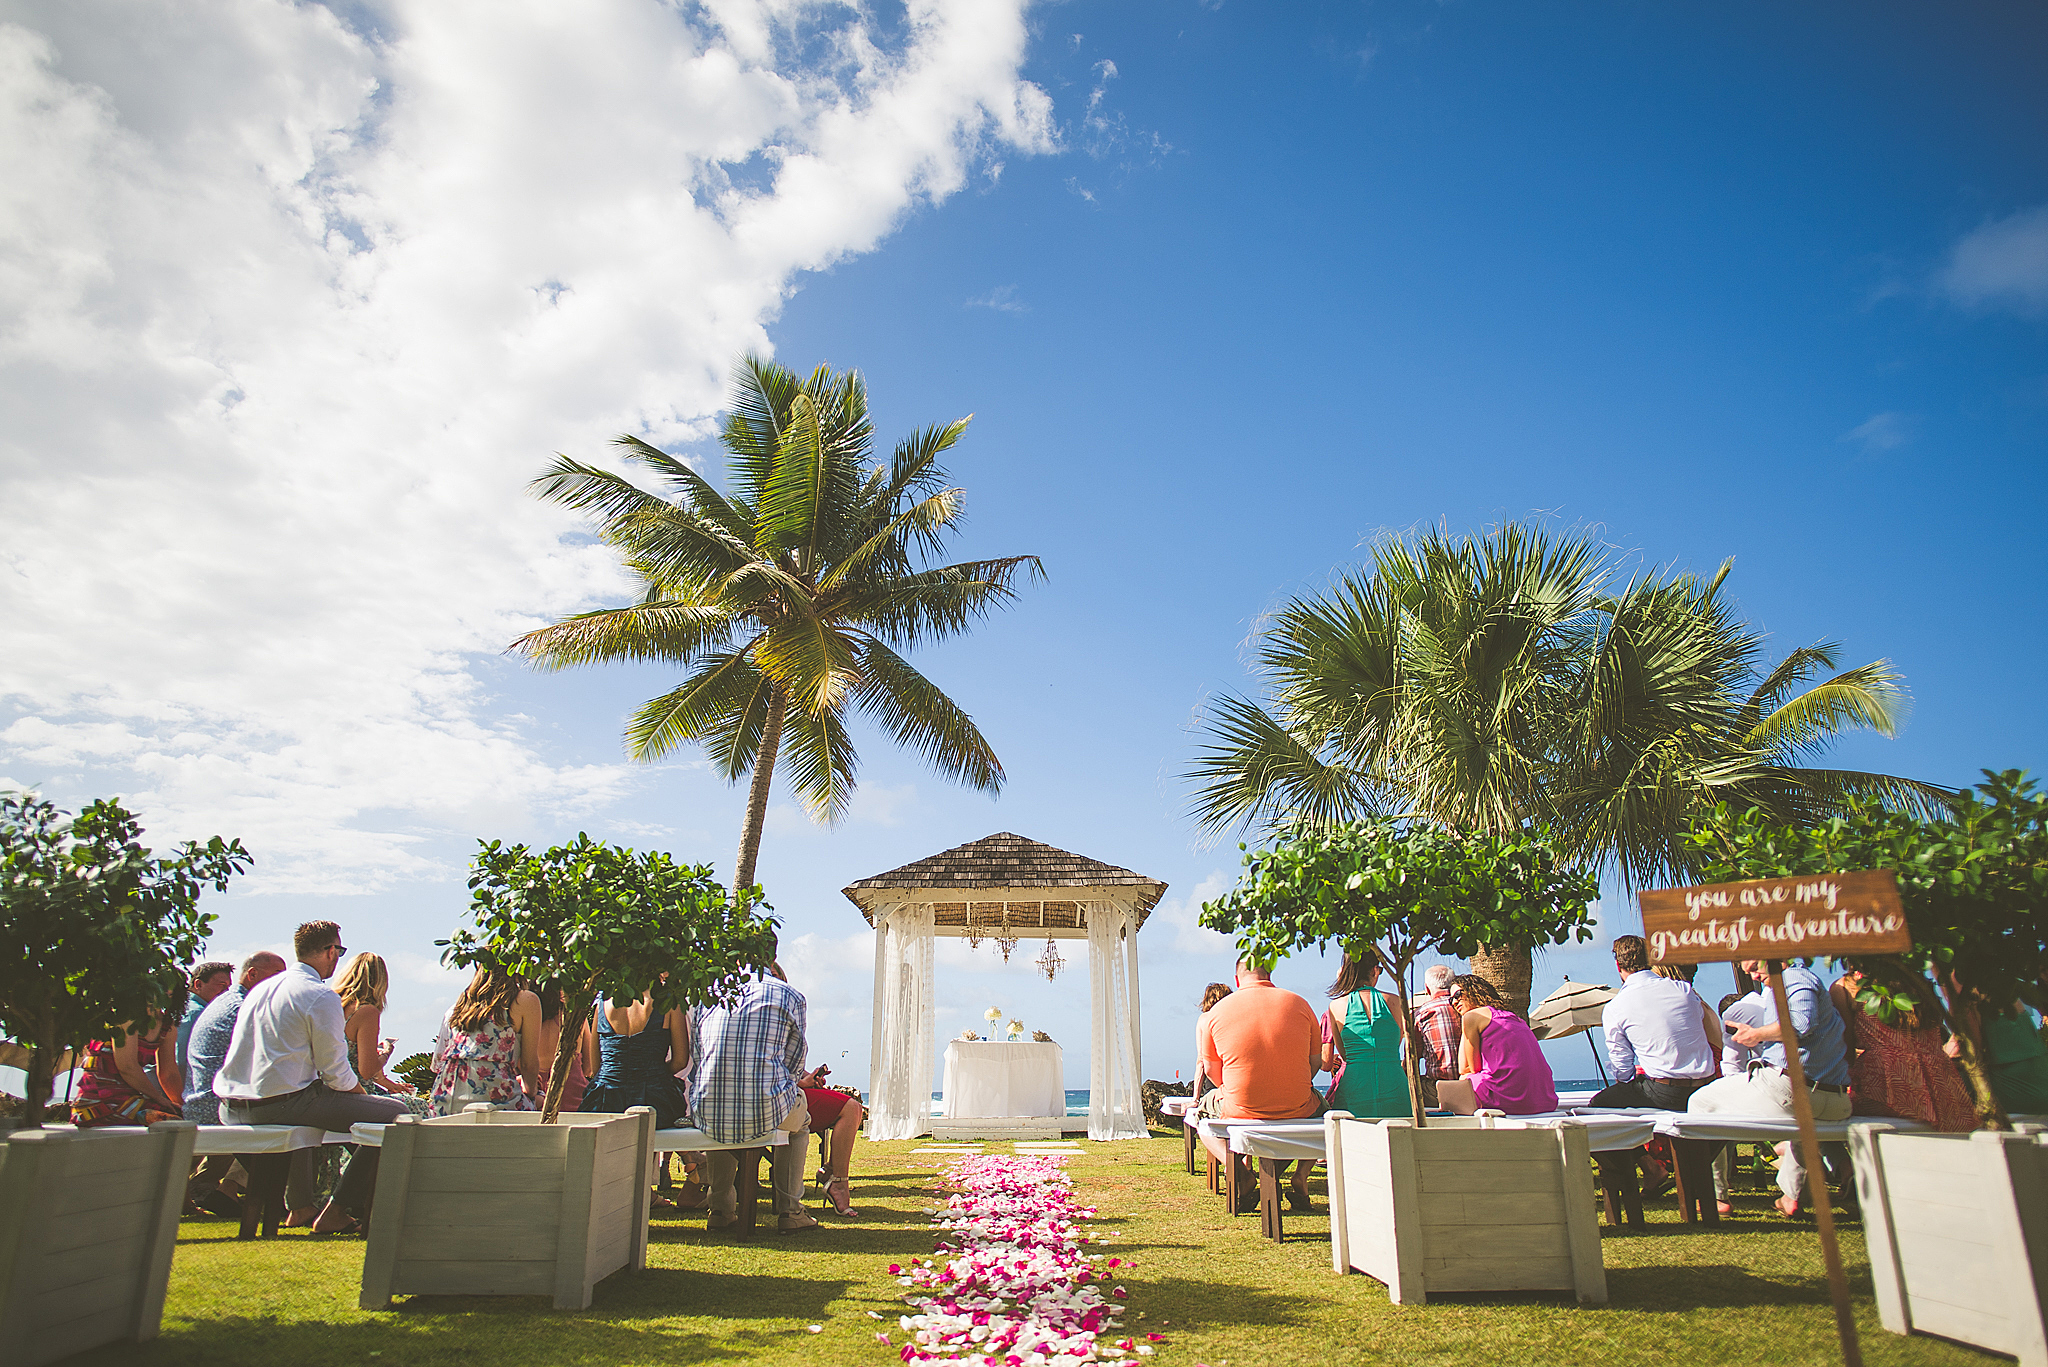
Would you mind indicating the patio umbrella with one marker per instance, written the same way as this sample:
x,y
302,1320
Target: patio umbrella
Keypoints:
x,y
1570,1009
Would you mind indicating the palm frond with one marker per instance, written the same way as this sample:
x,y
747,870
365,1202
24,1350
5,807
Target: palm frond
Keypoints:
x,y
1824,792
696,709
818,758
1869,697
920,717
1255,772
1795,669
811,659
762,393
697,492
933,604
885,552
656,630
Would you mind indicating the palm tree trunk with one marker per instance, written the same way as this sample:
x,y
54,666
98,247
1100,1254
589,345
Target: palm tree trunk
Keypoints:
x,y
1509,969
757,792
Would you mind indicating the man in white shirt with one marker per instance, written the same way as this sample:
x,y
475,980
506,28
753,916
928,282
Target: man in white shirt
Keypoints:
x,y
1661,1037
287,1064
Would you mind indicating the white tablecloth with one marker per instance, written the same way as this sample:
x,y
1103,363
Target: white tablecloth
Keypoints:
x,y
986,1079
1176,1106
1606,1132
665,1141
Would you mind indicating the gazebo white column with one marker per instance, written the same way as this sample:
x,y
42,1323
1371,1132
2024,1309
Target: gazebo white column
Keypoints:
x,y
1115,1110
905,1015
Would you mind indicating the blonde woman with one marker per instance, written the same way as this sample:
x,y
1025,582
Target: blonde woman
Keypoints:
x,y
491,1048
362,987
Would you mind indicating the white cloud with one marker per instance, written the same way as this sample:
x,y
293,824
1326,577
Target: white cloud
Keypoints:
x,y
1003,299
1881,432
289,316
2003,264
1181,918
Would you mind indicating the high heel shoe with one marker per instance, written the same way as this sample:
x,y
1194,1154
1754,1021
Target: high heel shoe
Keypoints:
x,y
841,1194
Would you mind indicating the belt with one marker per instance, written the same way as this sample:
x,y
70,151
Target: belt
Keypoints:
x,y
1827,1087
1678,1081
251,1103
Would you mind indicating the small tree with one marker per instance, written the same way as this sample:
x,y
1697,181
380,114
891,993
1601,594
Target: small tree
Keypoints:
x,y
93,931
1398,888
1972,883
602,920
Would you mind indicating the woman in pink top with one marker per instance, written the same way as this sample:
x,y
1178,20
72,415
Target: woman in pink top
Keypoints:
x,y
1504,1066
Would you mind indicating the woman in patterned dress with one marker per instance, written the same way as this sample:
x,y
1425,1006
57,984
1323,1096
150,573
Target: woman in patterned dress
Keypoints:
x,y
1902,1069
133,1082
490,1050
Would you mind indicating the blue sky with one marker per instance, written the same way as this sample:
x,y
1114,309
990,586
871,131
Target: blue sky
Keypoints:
x,y
1259,284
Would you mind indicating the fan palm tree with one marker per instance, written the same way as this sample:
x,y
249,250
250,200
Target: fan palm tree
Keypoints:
x,y
1489,683
789,600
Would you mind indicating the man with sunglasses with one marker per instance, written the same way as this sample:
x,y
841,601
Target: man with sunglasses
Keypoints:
x,y
287,1064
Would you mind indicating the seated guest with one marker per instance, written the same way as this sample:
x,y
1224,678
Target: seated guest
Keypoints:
x,y
745,1062
206,1048
835,1119
1436,1020
287,1064
1264,1048
362,988
1661,1037
1213,993
214,1029
1503,1064
1900,1069
490,1050
209,980
132,1083
2016,1060
1362,1043
632,1057
1765,1089
551,1019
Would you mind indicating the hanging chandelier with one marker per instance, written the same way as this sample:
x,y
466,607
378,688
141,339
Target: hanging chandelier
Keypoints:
x,y
1006,939
1050,962
973,929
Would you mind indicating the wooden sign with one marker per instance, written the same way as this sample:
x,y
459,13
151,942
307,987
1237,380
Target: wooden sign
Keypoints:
x,y
1776,918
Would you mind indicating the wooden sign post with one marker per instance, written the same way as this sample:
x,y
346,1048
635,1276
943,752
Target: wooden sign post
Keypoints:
x,y
1773,919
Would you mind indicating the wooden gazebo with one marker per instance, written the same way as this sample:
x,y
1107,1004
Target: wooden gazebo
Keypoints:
x,y
1003,885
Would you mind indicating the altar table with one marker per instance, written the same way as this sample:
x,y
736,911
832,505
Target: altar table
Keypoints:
x,y
989,1078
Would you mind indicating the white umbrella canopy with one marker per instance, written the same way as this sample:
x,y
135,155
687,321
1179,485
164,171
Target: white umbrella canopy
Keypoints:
x,y
1570,1009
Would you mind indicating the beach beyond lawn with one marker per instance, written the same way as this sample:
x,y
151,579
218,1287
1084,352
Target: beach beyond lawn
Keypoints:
x,y
1751,1291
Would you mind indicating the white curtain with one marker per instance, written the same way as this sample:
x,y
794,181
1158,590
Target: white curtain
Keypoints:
x,y
900,1074
1115,1109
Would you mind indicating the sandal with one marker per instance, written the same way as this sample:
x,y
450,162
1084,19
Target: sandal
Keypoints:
x,y
1787,1206
354,1226
1297,1200
693,1196
841,1194
795,1224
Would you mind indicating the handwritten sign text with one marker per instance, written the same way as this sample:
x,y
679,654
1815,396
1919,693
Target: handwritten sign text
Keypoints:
x,y
1776,918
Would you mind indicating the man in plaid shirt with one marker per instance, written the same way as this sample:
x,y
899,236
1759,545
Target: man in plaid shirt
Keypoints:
x,y
745,1060
1437,1022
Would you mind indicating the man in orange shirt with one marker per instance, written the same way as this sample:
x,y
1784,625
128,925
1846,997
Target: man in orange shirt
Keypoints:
x,y
1264,1047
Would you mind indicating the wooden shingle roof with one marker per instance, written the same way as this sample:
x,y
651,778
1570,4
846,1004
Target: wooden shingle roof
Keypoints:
x,y
1005,867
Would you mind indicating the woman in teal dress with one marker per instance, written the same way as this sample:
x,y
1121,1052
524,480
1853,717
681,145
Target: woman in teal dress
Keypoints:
x,y
2017,1061
1362,1044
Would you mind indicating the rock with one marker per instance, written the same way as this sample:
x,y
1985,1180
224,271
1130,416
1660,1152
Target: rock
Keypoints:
x,y
1153,1093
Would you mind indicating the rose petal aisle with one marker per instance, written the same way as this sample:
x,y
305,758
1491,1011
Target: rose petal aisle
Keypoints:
x,y
1009,1283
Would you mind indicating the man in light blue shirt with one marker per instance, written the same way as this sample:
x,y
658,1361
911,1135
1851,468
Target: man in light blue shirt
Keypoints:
x,y
209,981
1766,1090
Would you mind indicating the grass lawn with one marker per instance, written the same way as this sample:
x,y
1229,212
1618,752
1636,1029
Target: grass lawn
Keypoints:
x,y
1753,1292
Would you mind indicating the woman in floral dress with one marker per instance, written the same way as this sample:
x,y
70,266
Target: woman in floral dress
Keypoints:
x,y
134,1082
1901,1069
490,1050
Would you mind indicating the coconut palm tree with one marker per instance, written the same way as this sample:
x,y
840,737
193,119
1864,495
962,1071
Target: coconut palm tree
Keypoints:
x,y
1488,683
790,599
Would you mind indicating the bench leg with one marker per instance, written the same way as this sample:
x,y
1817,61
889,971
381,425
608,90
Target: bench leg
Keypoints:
x,y
747,1188
264,1203
1187,1133
1270,1171
1621,1192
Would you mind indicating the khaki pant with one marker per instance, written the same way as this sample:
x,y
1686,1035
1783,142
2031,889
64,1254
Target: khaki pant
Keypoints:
x,y
787,1163
1768,1091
